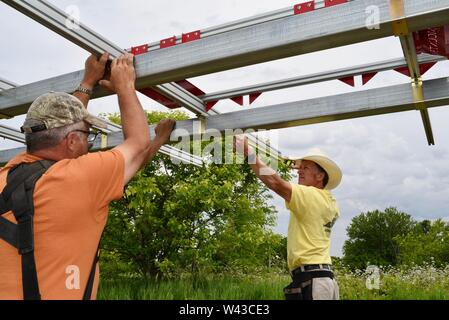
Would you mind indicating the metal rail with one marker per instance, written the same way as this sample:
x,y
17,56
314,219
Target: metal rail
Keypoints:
x,y
372,102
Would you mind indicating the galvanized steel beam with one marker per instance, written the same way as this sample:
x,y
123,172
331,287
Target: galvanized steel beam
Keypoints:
x,y
372,102
318,77
284,37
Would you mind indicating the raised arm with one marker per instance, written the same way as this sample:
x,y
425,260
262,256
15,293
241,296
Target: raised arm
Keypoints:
x,y
93,72
266,174
136,134
163,132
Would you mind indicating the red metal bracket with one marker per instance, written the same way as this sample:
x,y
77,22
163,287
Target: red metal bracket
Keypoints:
x,y
254,96
304,7
348,80
238,100
367,77
156,96
330,3
210,105
190,87
169,42
139,50
191,36
423,68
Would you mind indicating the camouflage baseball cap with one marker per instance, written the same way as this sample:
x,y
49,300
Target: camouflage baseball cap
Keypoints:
x,y
57,109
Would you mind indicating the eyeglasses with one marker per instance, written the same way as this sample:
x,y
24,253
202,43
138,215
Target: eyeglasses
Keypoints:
x,y
91,134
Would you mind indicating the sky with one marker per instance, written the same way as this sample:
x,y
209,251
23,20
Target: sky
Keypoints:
x,y
385,159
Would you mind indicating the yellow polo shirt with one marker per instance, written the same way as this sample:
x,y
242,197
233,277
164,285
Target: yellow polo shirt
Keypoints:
x,y
313,212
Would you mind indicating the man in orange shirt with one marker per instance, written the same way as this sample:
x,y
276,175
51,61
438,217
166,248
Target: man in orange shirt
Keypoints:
x,y
71,198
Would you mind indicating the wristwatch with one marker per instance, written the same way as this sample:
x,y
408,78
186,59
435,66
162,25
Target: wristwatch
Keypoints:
x,y
84,90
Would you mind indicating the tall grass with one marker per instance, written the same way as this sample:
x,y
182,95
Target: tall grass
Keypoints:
x,y
194,288
404,283
414,283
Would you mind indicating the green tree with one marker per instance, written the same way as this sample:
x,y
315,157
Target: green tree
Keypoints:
x,y
427,243
372,238
180,218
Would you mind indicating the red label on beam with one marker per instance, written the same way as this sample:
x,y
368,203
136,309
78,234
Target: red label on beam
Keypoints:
x,y
432,41
169,42
139,50
330,3
191,36
304,7
254,96
367,77
349,81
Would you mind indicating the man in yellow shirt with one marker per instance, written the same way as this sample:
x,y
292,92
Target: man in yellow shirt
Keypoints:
x,y
313,212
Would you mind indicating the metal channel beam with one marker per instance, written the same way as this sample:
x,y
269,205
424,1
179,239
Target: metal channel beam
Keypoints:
x,y
15,135
5,84
255,141
241,23
318,77
56,20
294,35
379,101
11,134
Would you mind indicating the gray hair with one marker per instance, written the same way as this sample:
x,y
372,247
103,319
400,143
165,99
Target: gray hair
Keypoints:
x,y
326,175
47,139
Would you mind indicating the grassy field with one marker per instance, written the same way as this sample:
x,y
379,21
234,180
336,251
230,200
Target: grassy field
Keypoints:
x,y
418,283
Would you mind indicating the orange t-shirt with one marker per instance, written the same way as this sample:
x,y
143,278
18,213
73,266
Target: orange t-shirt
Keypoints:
x,y
71,204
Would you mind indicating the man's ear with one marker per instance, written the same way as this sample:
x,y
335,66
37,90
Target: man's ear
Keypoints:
x,y
70,141
320,176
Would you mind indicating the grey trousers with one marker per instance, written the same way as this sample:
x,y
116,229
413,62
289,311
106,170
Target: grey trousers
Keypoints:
x,y
325,289
312,285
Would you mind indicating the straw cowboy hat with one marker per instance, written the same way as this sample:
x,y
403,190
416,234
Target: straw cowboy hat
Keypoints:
x,y
321,158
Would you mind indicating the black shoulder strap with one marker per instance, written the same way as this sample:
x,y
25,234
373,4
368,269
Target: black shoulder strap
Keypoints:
x,y
90,282
18,197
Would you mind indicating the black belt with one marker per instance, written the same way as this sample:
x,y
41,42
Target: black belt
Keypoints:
x,y
311,267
